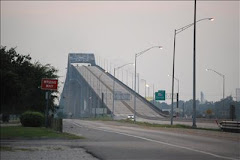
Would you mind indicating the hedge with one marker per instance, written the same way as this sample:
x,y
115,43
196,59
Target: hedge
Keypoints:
x,y
32,119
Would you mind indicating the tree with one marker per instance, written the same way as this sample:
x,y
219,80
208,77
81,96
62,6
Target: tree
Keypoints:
x,y
20,82
209,113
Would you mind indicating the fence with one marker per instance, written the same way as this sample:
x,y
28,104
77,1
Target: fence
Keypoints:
x,y
55,124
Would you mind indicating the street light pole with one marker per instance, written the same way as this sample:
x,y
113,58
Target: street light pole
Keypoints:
x,y
138,82
132,80
127,78
114,86
194,67
223,76
145,89
223,87
177,91
174,46
153,95
99,79
148,86
135,75
177,31
113,95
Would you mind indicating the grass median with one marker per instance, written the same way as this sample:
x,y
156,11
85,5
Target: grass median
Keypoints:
x,y
182,126
147,124
19,132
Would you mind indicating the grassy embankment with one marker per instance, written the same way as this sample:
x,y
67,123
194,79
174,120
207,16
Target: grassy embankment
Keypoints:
x,y
19,132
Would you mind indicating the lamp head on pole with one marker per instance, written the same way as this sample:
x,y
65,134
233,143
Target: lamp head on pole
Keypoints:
x,y
211,19
160,47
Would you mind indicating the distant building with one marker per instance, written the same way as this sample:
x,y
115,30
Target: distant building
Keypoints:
x,y
202,99
238,94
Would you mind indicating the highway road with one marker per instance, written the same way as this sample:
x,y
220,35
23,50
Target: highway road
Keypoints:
x,y
120,141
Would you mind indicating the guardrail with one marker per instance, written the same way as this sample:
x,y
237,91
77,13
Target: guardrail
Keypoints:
x,y
230,126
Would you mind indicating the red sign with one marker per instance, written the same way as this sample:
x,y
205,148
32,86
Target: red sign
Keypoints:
x,y
49,84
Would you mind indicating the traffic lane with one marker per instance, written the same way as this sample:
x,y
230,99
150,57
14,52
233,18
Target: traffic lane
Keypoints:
x,y
205,145
91,134
228,148
109,144
129,150
190,138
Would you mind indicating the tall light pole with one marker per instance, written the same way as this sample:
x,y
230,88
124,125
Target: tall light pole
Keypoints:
x,y
177,31
177,90
194,67
153,95
114,85
148,86
99,78
135,76
176,80
127,78
145,85
132,80
223,76
138,82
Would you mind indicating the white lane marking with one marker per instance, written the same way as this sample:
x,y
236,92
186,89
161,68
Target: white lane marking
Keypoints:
x,y
160,142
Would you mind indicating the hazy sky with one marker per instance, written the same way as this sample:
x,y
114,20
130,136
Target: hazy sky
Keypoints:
x,y
116,30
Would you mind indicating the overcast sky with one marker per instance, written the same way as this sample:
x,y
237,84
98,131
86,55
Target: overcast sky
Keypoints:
x,y
115,31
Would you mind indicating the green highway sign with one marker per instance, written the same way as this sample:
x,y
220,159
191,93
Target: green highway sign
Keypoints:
x,y
160,95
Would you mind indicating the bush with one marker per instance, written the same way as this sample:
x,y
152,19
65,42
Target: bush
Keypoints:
x,y
32,119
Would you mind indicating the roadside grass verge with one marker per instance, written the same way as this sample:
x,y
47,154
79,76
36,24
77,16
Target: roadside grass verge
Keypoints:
x,y
99,118
19,132
146,124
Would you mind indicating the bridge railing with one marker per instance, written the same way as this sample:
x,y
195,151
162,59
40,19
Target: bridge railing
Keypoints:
x,y
156,109
85,79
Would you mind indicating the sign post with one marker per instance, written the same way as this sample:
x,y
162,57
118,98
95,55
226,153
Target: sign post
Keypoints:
x,y
46,111
48,84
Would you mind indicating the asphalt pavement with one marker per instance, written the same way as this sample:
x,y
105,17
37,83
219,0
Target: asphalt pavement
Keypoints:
x,y
118,141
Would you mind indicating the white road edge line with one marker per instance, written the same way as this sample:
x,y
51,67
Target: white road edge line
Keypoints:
x,y
160,142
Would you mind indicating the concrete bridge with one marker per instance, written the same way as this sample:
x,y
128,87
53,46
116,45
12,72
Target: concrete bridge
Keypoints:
x,y
88,92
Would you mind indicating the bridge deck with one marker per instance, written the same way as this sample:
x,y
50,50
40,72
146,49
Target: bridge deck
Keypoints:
x,y
101,82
